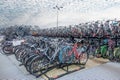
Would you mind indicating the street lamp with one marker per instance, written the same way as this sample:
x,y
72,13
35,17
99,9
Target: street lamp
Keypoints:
x,y
57,8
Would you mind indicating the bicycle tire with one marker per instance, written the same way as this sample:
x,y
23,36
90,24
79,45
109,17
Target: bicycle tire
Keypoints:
x,y
111,57
16,48
28,61
83,58
25,57
42,63
117,55
20,33
22,55
19,53
4,49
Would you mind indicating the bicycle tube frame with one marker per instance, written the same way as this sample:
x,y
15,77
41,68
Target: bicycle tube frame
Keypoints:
x,y
53,56
74,51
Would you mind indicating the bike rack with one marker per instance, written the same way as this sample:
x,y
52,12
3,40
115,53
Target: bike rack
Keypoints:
x,y
62,67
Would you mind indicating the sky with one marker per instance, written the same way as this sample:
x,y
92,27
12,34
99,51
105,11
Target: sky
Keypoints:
x,y
42,13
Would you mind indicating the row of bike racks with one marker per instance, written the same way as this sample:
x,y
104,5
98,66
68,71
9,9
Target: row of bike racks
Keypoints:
x,y
58,66
65,67
67,70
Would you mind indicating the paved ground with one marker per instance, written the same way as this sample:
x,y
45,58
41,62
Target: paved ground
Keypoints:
x,y
108,71
10,70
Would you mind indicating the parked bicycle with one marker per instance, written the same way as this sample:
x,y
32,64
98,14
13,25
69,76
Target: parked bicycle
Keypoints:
x,y
76,53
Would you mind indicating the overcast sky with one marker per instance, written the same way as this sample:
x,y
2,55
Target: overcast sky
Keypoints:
x,y
41,12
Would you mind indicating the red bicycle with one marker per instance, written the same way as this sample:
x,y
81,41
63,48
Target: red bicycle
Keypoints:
x,y
76,53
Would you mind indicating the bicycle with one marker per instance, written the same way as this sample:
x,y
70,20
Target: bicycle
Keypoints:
x,y
116,53
9,46
47,58
75,53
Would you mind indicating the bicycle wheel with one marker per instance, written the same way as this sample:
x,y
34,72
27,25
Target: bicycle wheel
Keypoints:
x,y
22,56
117,55
7,49
20,33
28,61
91,52
111,55
20,52
16,49
38,64
83,58
25,57
64,56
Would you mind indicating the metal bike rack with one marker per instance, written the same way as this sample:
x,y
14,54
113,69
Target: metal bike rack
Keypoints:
x,y
62,67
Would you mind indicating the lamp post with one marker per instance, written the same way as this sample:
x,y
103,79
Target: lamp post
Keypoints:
x,y
57,8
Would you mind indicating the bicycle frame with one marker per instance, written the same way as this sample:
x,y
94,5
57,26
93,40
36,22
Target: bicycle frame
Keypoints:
x,y
51,59
72,54
74,51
